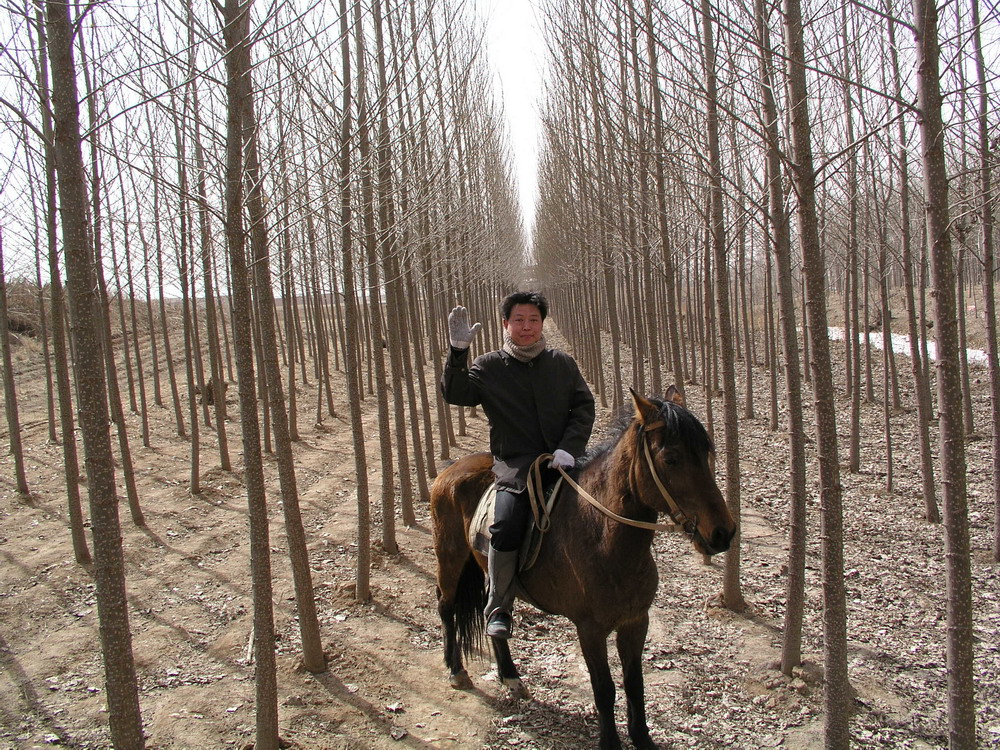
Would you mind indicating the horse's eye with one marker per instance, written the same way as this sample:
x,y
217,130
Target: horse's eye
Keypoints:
x,y
671,457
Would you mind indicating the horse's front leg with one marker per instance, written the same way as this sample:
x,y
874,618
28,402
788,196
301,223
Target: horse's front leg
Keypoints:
x,y
631,639
594,644
507,670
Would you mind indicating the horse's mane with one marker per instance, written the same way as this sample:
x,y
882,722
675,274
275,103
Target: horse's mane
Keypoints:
x,y
679,423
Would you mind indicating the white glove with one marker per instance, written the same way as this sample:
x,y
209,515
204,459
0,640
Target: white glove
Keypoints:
x,y
562,460
459,332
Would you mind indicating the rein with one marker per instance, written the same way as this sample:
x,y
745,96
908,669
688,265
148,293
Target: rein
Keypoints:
x,y
541,512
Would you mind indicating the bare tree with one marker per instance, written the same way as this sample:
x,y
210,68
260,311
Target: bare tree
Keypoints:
x,y
312,647
659,147
836,698
362,588
9,387
989,262
235,16
791,650
64,388
854,331
961,693
217,380
732,594
392,288
109,564
917,361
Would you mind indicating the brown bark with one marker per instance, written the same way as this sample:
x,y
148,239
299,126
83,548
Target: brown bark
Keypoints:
x,y
836,697
672,319
312,648
362,590
732,594
217,381
961,692
104,307
9,387
109,564
64,388
392,289
989,268
236,19
921,386
791,649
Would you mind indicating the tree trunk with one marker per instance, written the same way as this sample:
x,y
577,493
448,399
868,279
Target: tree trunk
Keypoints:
x,y
109,563
853,333
312,648
362,586
161,293
43,325
9,392
104,308
185,279
989,269
791,650
64,387
375,291
672,319
732,595
921,386
217,381
236,21
392,288
961,691
836,698
133,317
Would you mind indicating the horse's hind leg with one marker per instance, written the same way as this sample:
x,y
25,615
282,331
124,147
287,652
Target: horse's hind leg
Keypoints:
x,y
461,596
506,669
631,639
458,677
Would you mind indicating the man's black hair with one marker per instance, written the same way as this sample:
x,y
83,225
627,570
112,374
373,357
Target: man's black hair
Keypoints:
x,y
524,298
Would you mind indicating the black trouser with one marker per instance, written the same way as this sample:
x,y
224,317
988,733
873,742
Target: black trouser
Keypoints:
x,y
510,520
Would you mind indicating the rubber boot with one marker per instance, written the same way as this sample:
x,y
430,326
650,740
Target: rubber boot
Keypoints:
x,y
502,568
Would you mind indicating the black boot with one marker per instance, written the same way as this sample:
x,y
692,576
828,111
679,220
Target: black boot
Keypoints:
x,y
502,568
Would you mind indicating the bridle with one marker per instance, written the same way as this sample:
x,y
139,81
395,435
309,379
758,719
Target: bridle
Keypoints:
x,y
677,515
680,519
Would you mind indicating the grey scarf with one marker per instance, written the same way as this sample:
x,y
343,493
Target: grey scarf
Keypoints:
x,y
522,353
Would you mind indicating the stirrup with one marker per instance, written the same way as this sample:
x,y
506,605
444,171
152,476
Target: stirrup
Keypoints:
x,y
501,625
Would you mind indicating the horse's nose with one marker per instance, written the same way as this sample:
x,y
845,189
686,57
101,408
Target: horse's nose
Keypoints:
x,y
721,537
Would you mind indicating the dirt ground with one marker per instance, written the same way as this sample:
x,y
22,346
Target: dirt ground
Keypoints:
x,y
710,674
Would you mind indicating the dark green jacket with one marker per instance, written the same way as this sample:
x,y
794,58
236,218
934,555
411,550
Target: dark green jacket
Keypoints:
x,y
533,407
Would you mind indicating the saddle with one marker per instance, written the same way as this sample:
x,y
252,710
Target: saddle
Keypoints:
x,y
542,499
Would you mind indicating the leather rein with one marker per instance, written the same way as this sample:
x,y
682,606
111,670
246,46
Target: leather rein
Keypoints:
x,y
541,511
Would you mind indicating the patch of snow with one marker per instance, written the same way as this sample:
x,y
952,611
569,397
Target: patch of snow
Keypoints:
x,y
901,345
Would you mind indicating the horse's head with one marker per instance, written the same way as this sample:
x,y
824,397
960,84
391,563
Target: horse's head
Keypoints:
x,y
673,466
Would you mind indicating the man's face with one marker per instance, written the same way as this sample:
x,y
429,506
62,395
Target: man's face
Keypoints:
x,y
524,324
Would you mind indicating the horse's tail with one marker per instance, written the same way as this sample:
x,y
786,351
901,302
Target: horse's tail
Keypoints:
x,y
470,600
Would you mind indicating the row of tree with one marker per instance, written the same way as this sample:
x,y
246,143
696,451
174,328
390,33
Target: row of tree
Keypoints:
x,y
689,146
298,190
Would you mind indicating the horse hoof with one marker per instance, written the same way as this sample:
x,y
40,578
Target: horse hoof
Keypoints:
x,y
460,681
517,689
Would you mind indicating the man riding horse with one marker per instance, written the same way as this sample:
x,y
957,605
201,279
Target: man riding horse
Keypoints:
x,y
536,402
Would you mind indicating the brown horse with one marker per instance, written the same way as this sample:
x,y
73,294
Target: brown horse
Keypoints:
x,y
597,571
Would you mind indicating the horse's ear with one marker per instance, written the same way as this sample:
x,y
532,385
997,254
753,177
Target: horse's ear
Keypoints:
x,y
674,394
644,408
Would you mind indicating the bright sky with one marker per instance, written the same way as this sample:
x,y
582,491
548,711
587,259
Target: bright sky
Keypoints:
x,y
515,48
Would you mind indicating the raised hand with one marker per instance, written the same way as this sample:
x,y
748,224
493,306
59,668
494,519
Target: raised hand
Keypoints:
x,y
460,333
